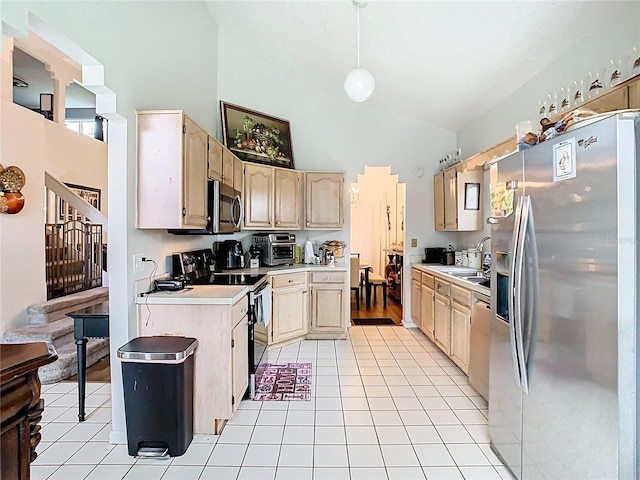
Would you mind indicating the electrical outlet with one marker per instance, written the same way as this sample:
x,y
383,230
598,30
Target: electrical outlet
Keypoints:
x,y
138,264
414,242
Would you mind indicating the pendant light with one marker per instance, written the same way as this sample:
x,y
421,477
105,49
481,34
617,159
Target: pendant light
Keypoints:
x,y
359,83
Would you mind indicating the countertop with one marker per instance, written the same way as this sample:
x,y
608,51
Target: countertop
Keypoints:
x,y
441,272
225,294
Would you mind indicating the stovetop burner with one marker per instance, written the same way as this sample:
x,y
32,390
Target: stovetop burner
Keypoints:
x,y
196,268
230,279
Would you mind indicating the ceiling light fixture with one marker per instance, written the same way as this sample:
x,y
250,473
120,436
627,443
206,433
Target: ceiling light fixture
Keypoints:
x,y
17,82
359,83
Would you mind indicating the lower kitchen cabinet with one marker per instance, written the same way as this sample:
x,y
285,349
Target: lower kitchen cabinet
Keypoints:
x,y
460,323
442,322
328,304
426,307
290,307
416,302
220,361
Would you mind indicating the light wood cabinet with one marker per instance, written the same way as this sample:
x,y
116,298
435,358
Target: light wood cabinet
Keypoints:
x,y
238,174
460,325
220,360
227,167
416,299
214,159
442,322
324,200
172,171
328,304
457,199
290,307
258,196
427,298
240,358
287,199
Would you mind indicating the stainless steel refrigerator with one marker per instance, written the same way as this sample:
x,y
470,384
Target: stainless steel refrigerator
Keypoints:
x,y
564,284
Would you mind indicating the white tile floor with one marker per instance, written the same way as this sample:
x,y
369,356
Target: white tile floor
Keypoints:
x,y
386,404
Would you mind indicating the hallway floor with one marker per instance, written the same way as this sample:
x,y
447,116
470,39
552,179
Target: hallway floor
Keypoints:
x,y
386,404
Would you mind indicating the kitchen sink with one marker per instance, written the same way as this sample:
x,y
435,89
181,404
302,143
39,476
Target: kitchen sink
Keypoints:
x,y
479,280
463,273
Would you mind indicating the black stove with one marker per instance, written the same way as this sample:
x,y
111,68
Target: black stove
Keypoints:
x,y
196,268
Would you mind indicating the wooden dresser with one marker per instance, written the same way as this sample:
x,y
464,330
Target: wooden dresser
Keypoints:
x,y
20,406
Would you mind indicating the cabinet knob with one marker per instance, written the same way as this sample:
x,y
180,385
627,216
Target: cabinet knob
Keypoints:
x,y
290,280
327,277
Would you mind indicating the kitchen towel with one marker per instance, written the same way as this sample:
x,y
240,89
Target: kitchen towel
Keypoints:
x,y
266,305
309,254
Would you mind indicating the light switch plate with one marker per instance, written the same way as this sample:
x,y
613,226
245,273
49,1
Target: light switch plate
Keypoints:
x,y
414,242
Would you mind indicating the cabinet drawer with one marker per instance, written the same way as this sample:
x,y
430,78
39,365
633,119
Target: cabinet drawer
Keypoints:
x,y
288,280
461,295
441,287
328,277
415,274
428,280
239,310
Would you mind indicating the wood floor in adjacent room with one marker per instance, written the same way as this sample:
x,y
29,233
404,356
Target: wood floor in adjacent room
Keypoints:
x,y
393,310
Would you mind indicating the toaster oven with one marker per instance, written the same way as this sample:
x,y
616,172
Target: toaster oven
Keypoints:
x,y
276,248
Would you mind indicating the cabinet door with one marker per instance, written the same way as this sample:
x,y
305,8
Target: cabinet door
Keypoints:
x,y
238,174
416,299
240,361
442,322
227,167
215,159
614,100
258,196
289,313
195,175
460,324
287,198
327,308
450,199
427,311
438,201
324,193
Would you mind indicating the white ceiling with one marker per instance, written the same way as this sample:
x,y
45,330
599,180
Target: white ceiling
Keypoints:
x,y
443,62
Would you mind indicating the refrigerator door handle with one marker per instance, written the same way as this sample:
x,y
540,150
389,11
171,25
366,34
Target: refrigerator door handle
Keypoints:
x,y
511,298
519,278
531,298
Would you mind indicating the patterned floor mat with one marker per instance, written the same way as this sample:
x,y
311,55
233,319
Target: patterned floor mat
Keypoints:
x,y
283,381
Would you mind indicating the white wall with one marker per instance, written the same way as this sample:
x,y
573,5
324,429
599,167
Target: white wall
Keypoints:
x,y
617,35
156,55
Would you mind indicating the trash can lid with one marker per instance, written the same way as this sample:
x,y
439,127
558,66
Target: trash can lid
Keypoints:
x,y
158,349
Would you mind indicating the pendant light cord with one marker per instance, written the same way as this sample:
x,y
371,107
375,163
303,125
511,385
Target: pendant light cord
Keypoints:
x,y
358,16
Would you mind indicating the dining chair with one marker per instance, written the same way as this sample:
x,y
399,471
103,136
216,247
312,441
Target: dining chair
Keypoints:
x,y
356,282
376,281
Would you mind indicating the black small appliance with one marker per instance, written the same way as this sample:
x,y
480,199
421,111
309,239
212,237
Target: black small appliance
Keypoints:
x,y
433,254
229,255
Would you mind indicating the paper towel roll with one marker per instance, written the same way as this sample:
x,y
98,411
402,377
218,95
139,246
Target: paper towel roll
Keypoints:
x,y
309,254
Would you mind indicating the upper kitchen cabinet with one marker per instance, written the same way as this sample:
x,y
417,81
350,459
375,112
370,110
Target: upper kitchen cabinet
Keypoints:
x,y
258,196
324,199
215,159
287,199
457,200
238,175
228,167
172,171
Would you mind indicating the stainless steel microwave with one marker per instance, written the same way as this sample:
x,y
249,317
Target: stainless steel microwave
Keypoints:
x,y
225,211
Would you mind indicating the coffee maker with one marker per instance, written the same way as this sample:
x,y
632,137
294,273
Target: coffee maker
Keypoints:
x,y
229,255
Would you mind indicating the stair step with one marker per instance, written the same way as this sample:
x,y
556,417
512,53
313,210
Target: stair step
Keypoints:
x,y
67,364
56,333
57,308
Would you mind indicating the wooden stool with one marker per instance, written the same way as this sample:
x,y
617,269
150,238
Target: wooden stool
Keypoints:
x,y
378,281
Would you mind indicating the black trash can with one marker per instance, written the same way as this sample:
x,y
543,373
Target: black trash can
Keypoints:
x,y
157,376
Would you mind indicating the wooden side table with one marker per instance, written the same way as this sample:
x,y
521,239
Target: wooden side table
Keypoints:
x,y
21,407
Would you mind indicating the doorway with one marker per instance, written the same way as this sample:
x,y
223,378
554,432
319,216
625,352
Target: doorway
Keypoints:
x,y
377,236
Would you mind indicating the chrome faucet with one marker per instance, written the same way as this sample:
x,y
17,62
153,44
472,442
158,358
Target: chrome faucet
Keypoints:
x,y
481,243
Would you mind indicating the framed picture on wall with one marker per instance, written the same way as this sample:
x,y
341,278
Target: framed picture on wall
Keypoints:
x,y
256,137
472,196
88,194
